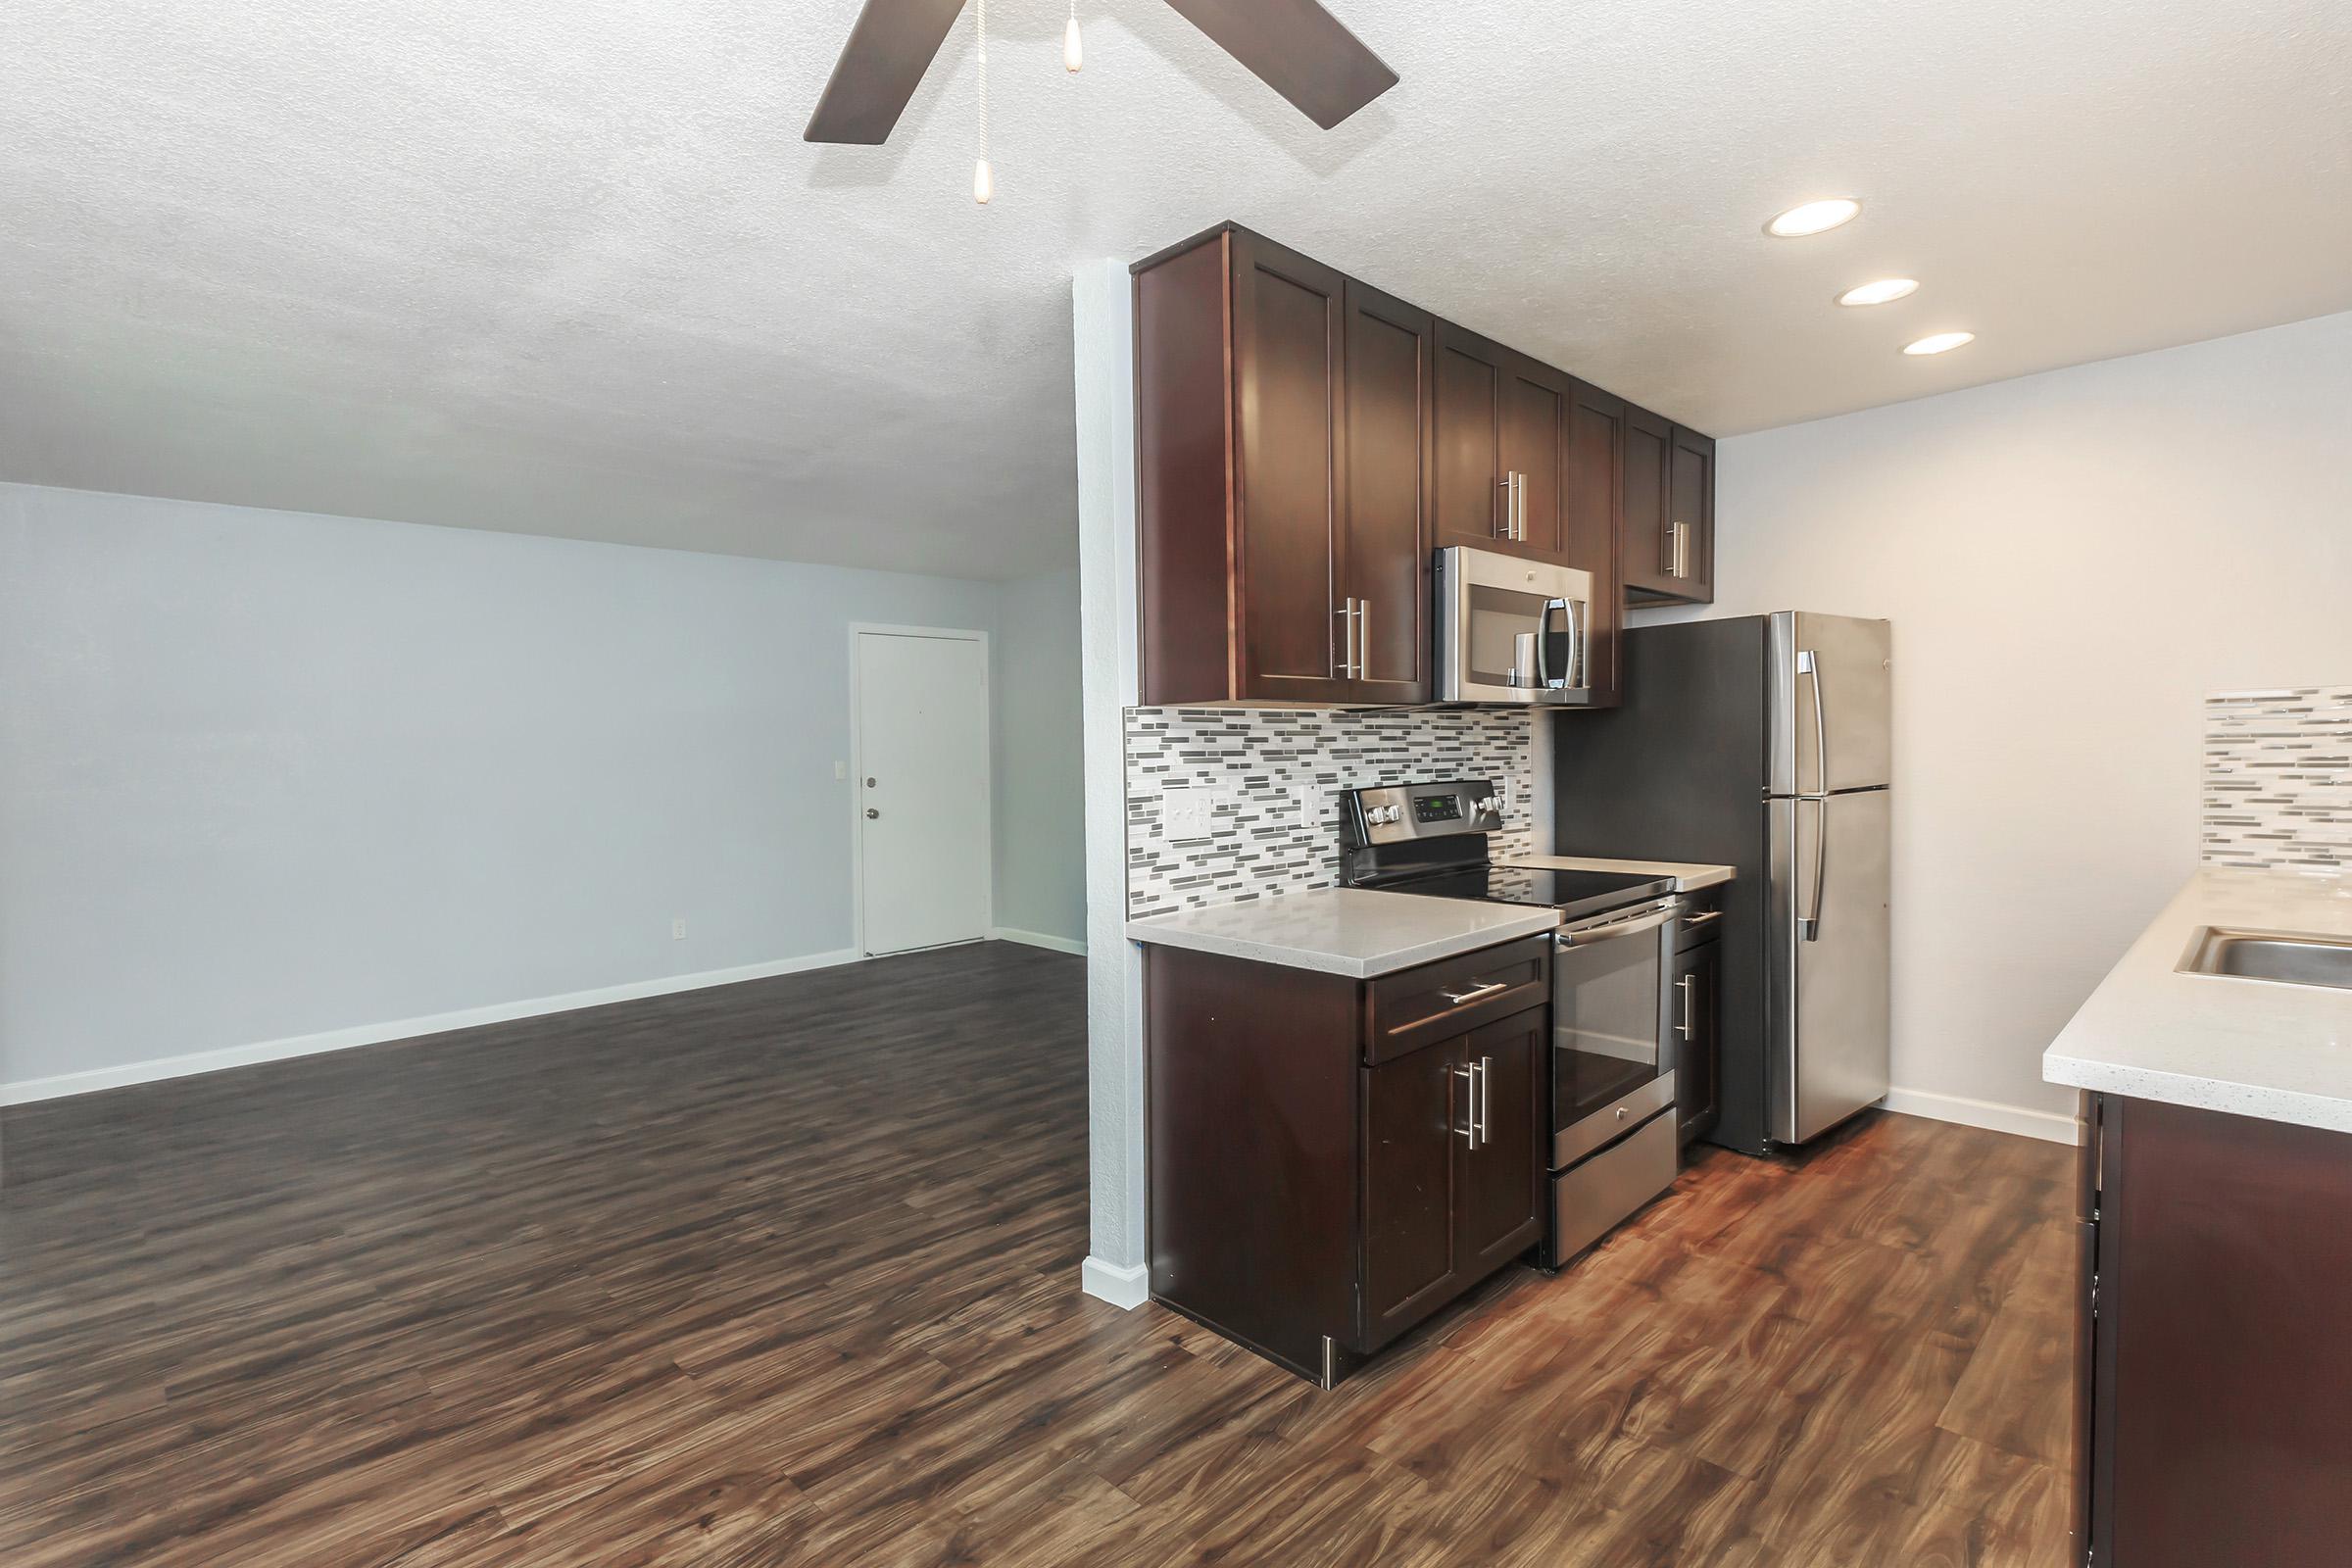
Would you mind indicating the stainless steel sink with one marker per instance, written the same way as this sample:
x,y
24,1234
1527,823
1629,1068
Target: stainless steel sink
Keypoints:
x,y
2287,956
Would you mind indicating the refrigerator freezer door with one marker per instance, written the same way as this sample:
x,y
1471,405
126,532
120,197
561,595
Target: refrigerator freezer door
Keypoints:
x,y
1828,958
1832,717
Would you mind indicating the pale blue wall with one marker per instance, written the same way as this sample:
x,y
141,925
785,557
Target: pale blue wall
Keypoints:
x,y
265,774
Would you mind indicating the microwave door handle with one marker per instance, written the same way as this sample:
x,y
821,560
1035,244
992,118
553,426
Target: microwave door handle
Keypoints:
x,y
1543,641
1578,677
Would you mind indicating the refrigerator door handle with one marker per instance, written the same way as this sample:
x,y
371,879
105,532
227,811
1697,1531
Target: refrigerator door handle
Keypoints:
x,y
1808,926
1808,665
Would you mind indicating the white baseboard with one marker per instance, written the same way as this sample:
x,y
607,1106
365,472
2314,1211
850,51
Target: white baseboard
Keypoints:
x,y
1122,1286
1037,939
375,1034
2043,1124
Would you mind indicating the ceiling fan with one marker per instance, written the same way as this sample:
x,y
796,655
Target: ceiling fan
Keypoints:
x,y
1295,46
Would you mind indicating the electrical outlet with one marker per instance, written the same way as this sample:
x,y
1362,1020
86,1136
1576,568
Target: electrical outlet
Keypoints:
x,y
677,929
1310,805
1188,814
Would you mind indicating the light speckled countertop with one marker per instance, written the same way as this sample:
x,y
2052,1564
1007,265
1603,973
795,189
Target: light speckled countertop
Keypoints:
x,y
1689,876
1345,931
2252,1048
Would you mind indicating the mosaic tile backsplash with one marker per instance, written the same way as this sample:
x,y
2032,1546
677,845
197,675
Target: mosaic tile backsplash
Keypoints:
x,y
2278,778
1274,775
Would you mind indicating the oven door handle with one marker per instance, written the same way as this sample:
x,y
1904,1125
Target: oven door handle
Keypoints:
x,y
1623,928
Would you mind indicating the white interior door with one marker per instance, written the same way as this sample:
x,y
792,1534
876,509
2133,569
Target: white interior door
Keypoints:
x,y
922,789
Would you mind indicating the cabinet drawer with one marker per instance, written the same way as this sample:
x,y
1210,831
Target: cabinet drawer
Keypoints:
x,y
1415,1008
1702,917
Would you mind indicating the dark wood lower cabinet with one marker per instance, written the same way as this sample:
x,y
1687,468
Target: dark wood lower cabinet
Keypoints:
x,y
1332,1160
1698,1043
2214,1366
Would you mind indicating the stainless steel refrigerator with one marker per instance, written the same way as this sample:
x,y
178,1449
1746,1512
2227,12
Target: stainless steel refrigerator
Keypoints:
x,y
1762,742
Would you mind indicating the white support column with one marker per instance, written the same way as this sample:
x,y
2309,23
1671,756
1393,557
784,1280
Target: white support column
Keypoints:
x,y
1102,316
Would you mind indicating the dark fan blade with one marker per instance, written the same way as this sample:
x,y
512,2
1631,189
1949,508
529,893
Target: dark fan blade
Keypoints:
x,y
880,66
1297,48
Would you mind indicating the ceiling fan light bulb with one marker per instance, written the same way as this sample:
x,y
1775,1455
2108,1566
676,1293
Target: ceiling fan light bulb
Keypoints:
x,y
983,183
1073,53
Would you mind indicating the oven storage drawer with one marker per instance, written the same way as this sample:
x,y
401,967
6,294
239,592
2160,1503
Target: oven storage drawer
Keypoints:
x,y
1415,1008
1592,1199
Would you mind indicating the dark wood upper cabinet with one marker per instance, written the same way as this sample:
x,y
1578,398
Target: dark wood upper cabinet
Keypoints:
x,y
1590,510
1473,504
1389,493
1669,530
1691,514
1306,442
1500,425
1283,417
1646,511
1289,490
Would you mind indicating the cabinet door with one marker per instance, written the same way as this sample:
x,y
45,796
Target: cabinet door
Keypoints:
x,y
1642,531
1416,1113
1698,1042
1693,515
1590,512
1531,445
1287,343
1502,1176
1384,549
1472,503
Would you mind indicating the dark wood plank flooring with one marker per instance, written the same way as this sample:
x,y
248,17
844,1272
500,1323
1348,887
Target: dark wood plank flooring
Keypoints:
x,y
787,1273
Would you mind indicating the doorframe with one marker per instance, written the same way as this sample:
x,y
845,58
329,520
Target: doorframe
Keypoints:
x,y
988,774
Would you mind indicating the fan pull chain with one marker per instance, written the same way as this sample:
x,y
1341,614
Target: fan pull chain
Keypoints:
x,y
984,180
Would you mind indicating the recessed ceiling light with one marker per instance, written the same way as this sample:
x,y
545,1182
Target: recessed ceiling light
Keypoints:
x,y
1941,343
1814,218
1884,291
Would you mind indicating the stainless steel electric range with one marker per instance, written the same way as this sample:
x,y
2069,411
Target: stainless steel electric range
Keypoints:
x,y
1613,1141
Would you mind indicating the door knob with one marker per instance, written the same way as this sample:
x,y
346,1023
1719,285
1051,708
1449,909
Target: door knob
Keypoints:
x,y
871,814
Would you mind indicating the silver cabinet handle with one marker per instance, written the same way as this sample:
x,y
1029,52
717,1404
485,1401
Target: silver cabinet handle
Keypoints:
x,y
1350,624
1689,1007
1519,484
1469,1128
1511,506
1709,918
1489,988
1486,1100
1364,639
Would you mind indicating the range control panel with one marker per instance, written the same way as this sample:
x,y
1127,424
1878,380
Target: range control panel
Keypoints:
x,y
1394,813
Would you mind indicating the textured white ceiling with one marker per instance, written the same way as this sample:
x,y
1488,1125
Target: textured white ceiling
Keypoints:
x,y
566,266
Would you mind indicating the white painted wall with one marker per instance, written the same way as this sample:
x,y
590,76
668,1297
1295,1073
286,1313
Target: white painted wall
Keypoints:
x,y
1040,775
270,776
2071,562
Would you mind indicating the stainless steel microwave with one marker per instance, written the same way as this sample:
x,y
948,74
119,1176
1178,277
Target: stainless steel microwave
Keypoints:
x,y
1511,630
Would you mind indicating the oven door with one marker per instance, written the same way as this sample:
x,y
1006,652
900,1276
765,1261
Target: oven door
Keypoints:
x,y
1511,630
1610,1070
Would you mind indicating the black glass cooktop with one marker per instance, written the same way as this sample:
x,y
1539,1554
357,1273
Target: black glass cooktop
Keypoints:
x,y
1572,892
